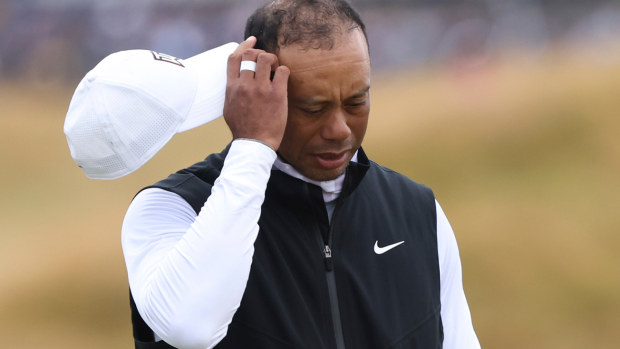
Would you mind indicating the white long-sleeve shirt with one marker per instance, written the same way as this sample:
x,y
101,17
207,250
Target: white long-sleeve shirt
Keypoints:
x,y
188,272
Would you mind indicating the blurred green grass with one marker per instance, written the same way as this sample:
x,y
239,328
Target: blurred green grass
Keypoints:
x,y
523,156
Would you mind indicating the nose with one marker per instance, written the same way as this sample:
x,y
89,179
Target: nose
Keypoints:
x,y
335,126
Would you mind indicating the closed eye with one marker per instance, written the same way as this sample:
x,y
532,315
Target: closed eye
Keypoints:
x,y
359,99
358,104
312,111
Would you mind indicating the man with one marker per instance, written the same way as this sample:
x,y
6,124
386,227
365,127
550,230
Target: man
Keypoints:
x,y
291,237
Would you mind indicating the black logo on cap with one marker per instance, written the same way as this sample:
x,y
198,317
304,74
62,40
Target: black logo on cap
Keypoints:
x,y
167,58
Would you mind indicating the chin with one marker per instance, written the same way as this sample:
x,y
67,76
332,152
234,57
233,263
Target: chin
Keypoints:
x,y
324,175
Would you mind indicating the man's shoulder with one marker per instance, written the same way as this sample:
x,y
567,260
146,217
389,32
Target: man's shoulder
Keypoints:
x,y
401,193
206,170
395,178
194,183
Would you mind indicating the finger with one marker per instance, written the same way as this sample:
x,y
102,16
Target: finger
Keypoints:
x,y
265,64
250,55
234,60
280,78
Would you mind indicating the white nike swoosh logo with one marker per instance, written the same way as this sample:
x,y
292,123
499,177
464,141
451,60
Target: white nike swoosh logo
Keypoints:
x,y
382,250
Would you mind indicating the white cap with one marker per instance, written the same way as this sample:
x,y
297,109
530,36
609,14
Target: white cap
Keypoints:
x,y
131,104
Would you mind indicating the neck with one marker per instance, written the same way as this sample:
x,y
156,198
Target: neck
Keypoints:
x,y
331,189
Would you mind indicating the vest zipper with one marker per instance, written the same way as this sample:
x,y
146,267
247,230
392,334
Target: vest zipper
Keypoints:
x,y
333,297
330,277
331,282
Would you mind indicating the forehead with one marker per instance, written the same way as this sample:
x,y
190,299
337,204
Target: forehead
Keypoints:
x,y
349,48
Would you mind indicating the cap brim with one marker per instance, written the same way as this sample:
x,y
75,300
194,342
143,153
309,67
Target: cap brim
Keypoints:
x,y
210,66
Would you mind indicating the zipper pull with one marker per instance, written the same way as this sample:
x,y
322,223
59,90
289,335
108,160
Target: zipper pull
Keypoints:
x,y
329,265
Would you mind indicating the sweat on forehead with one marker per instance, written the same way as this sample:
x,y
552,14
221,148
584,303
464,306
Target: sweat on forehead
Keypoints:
x,y
312,24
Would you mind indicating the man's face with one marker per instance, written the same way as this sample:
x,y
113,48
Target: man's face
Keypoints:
x,y
328,105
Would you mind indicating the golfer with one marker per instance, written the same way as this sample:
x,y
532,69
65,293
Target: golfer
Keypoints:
x,y
291,237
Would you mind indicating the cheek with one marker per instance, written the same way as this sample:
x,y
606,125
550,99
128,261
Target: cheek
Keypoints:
x,y
296,135
358,127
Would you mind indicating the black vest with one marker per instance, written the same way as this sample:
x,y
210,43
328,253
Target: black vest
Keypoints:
x,y
299,295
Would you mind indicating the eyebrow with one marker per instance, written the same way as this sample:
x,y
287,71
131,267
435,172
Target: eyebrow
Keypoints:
x,y
320,100
361,93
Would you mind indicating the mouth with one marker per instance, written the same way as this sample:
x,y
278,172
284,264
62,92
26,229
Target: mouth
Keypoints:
x,y
331,160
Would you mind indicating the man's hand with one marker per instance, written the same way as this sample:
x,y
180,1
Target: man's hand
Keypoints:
x,y
256,107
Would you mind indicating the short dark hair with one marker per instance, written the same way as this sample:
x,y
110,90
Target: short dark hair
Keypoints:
x,y
310,23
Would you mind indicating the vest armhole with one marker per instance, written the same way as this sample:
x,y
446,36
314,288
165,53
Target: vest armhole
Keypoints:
x,y
191,188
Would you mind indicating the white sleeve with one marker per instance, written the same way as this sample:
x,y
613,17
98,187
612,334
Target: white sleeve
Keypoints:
x,y
457,325
188,272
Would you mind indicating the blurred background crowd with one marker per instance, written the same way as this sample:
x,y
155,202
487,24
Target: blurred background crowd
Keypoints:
x,y
62,39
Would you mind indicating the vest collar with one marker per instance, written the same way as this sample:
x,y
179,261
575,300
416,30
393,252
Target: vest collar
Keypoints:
x,y
333,188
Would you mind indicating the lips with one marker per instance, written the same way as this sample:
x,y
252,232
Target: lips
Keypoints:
x,y
331,160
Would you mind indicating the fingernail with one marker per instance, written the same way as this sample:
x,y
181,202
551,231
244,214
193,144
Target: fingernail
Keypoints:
x,y
251,36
